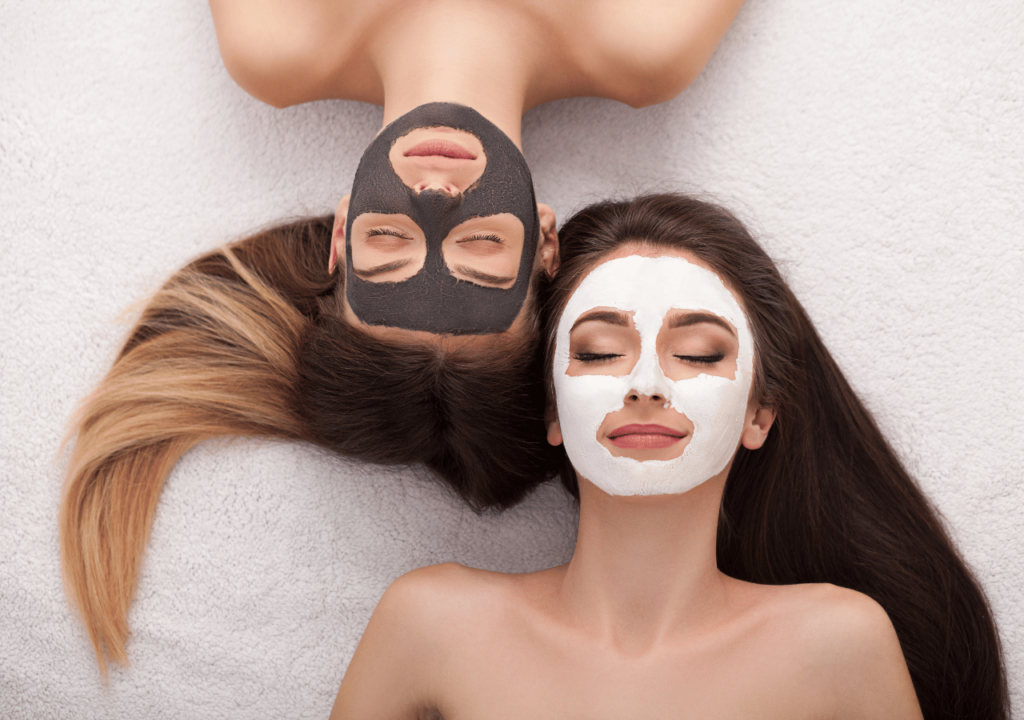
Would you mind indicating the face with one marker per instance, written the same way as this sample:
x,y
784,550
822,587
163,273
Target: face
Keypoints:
x,y
484,250
652,371
442,229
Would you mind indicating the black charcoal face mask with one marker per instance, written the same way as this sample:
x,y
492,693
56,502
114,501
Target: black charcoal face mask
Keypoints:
x,y
433,299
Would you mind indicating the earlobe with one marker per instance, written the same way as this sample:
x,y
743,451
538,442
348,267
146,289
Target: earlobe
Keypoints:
x,y
554,433
755,430
547,250
338,233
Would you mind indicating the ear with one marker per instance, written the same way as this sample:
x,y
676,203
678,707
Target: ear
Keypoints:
x,y
756,426
547,250
554,429
338,233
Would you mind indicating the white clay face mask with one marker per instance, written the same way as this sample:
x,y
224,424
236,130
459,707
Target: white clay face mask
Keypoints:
x,y
650,288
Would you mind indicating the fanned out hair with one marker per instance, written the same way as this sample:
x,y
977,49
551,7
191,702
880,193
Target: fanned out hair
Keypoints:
x,y
825,499
249,340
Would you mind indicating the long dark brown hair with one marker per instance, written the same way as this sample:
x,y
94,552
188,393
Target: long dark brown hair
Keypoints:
x,y
825,499
249,340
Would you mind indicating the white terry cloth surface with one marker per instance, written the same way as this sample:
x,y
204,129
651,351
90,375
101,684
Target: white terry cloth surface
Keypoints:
x,y
875,147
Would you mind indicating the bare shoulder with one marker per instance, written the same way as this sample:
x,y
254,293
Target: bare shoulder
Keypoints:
x,y
398,667
828,609
440,588
649,51
285,52
439,604
845,643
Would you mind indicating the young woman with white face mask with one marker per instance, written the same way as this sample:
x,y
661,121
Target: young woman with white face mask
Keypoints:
x,y
748,546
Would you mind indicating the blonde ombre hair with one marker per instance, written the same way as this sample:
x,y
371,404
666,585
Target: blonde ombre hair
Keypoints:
x,y
249,341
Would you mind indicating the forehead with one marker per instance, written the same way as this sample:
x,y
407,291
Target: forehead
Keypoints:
x,y
651,286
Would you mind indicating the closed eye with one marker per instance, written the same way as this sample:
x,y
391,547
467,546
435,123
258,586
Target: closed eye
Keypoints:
x,y
486,237
588,357
482,246
376,232
701,359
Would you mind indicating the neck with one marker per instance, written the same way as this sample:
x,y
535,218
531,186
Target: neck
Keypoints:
x,y
479,64
644,567
504,109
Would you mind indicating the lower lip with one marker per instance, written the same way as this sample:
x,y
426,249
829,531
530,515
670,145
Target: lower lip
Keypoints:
x,y
440,148
644,441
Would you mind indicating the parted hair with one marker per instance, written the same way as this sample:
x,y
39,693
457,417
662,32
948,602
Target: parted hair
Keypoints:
x,y
249,340
825,499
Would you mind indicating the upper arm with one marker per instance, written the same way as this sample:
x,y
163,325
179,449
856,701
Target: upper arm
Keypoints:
x,y
869,674
394,672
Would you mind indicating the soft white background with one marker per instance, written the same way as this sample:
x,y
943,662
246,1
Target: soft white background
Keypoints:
x,y
874,146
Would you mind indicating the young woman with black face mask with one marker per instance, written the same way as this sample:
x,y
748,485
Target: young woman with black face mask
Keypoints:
x,y
375,332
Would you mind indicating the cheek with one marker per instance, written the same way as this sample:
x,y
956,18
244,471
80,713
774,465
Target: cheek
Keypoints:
x,y
585,401
709,399
717,407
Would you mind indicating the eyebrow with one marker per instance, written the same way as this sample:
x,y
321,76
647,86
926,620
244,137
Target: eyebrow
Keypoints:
x,y
482,276
608,316
695,318
381,269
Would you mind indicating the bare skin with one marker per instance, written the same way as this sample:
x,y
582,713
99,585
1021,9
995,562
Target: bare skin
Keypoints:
x,y
500,57
639,624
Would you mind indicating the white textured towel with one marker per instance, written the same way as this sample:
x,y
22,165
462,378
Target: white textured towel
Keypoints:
x,y
875,147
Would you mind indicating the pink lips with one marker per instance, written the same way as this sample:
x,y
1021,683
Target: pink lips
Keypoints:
x,y
644,437
442,148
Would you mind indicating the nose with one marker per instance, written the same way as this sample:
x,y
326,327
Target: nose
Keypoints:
x,y
647,382
438,185
636,397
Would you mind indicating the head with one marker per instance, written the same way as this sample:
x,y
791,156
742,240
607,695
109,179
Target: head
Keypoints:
x,y
429,351
672,289
441,235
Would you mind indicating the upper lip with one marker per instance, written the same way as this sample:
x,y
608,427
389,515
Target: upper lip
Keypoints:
x,y
644,429
440,147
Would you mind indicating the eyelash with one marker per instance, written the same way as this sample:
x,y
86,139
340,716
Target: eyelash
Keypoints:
x,y
490,238
700,359
696,359
595,357
376,232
